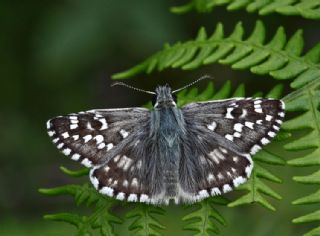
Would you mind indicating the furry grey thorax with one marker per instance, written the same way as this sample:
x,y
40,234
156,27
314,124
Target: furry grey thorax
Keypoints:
x,y
167,131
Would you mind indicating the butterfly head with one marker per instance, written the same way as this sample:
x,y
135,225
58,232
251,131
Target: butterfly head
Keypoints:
x,y
164,98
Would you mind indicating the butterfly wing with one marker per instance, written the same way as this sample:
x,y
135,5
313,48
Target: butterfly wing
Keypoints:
x,y
116,144
223,135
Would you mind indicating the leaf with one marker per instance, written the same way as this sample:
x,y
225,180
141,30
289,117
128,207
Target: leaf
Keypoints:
x,y
204,216
280,58
306,101
308,9
101,218
145,222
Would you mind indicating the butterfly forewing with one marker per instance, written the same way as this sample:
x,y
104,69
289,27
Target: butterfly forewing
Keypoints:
x,y
92,137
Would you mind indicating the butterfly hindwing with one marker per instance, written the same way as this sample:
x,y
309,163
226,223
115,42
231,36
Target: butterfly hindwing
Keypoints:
x,y
91,137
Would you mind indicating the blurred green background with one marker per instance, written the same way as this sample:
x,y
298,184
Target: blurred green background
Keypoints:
x,y
57,57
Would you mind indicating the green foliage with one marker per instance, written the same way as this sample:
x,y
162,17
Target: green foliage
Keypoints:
x,y
280,58
101,218
145,222
306,100
305,8
203,216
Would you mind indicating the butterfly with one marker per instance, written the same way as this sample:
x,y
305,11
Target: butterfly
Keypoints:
x,y
182,154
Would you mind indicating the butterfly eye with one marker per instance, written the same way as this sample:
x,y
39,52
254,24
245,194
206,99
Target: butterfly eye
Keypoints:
x,y
154,99
174,98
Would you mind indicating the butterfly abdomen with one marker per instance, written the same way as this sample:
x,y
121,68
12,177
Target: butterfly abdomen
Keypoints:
x,y
168,129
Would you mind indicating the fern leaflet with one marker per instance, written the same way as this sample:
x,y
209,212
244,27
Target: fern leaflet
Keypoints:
x,y
309,9
279,58
203,216
145,222
307,101
101,218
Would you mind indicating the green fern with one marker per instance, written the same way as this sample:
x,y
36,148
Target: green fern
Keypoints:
x,y
203,216
307,101
280,58
145,223
309,9
101,219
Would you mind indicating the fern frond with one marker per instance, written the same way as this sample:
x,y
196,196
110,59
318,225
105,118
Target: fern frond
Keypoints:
x,y
306,100
309,9
204,216
145,221
280,58
101,218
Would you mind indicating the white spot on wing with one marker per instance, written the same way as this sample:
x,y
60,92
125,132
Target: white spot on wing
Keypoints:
x,y
134,182
101,145
228,114
255,149
212,126
249,124
107,191
275,127
271,134
75,157
268,118
132,197
124,163
48,124
60,145
99,138
87,138
65,135
86,162
125,183
75,137
66,151
124,133
109,146
238,127
226,188
104,124
236,135
120,196
229,136
203,194
51,133
265,141
215,191
210,178
239,180
73,126
116,158
144,198
244,113
89,126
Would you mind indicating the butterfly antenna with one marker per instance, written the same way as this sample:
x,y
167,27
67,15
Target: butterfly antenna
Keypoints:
x,y
194,82
131,87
